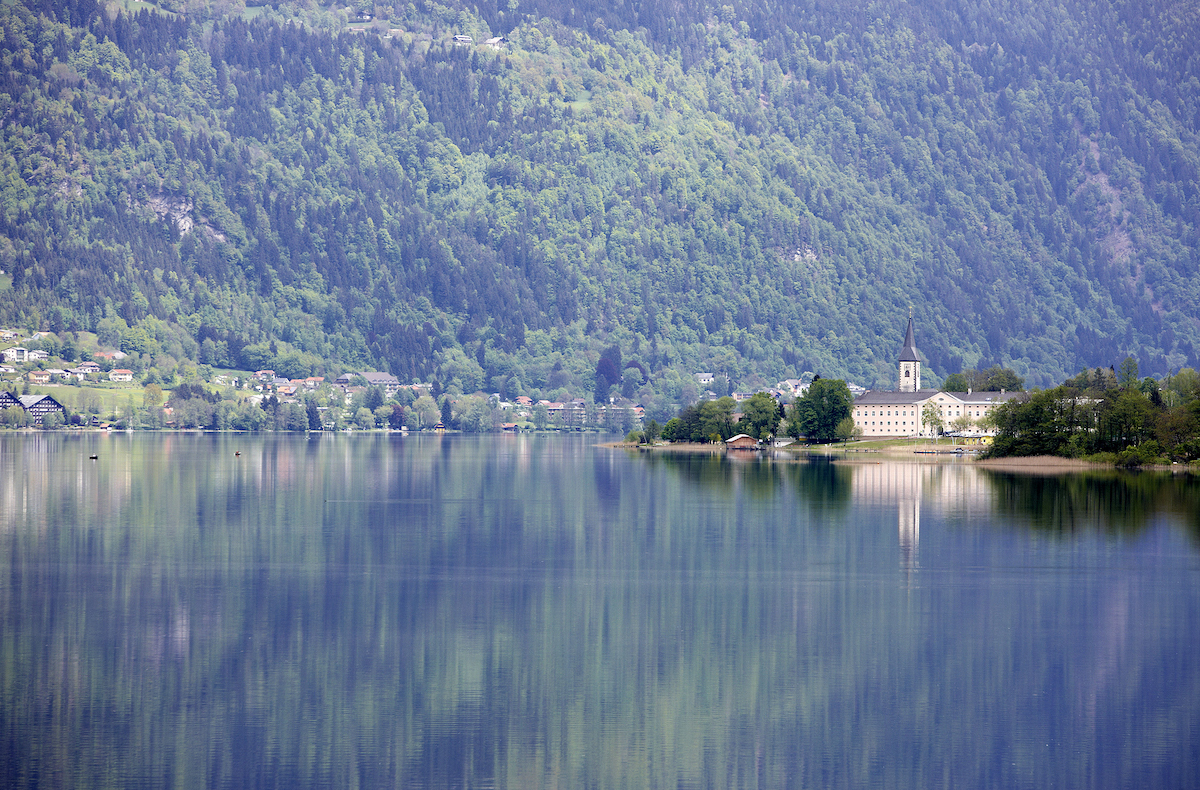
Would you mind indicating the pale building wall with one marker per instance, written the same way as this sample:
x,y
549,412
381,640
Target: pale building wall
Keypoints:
x,y
903,418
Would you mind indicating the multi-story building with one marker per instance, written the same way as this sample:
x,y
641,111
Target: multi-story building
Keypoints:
x,y
901,413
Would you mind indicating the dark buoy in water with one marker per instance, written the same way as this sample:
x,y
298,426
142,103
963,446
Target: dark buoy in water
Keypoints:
x,y
93,457
238,453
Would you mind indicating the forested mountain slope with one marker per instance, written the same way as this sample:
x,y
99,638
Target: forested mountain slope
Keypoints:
x,y
754,188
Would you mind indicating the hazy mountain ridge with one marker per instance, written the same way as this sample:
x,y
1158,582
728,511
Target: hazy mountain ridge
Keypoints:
x,y
758,192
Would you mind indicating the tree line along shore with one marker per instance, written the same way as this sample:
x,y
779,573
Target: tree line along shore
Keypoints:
x,y
1105,416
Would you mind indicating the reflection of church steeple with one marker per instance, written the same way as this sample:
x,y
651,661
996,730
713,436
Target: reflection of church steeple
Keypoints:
x,y
910,530
910,363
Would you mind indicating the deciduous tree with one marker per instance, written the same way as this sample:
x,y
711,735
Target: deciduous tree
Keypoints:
x,y
760,416
816,415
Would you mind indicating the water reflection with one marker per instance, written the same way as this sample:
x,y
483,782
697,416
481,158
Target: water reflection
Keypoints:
x,y
950,490
1111,501
536,612
817,483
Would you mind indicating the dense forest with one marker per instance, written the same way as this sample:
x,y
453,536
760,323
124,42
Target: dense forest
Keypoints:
x,y
754,189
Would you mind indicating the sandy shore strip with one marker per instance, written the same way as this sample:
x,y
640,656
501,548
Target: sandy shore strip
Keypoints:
x,y
1040,463
1045,464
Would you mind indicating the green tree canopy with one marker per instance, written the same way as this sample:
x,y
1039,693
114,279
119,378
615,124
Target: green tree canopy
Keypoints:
x,y
707,421
847,430
760,416
1127,374
706,194
816,415
994,379
932,419
956,382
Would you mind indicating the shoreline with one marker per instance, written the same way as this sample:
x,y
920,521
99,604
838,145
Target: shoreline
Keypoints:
x,y
1034,464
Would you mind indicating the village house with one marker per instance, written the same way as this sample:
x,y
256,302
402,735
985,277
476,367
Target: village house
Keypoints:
x,y
16,354
390,383
120,374
38,377
110,355
793,387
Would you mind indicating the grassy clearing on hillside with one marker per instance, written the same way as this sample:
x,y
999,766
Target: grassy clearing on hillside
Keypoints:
x,y
102,399
133,6
583,101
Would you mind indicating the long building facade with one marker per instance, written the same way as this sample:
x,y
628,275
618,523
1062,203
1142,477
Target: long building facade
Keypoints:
x,y
879,413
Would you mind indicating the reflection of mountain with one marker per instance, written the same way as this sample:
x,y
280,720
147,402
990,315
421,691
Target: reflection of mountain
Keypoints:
x,y
532,612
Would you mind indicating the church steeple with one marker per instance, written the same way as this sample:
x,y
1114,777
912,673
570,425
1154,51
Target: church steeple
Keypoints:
x,y
910,363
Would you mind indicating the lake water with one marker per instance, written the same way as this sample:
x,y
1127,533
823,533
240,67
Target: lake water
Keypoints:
x,y
527,612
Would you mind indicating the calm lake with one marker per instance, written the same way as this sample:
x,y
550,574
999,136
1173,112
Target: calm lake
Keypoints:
x,y
529,611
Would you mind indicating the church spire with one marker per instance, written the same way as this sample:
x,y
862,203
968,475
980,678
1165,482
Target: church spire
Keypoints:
x,y
909,352
910,363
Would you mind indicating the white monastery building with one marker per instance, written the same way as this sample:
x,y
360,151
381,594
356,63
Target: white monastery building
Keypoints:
x,y
898,413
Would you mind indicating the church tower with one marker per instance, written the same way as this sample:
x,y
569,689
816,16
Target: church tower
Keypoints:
x,y
910,363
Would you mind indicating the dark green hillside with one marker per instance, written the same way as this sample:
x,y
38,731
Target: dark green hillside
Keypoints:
x,y
739,188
